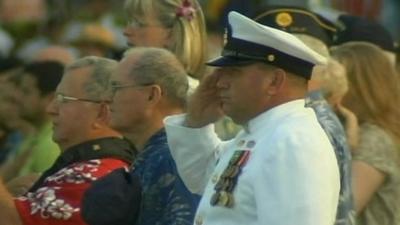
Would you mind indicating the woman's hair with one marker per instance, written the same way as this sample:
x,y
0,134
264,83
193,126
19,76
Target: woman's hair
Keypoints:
x,y
374,82
186,21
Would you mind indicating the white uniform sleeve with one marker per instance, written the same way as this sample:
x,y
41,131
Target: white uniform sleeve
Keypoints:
x,y
195,151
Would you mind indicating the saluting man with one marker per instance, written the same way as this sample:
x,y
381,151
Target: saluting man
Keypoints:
x,y
281,168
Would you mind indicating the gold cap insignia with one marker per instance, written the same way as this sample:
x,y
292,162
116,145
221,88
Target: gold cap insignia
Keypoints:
x,y
284,19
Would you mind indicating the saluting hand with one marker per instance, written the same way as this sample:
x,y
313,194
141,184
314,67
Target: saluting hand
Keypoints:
x,y
204,105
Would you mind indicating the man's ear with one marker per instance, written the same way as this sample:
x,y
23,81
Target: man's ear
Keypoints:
x,y
155,94
278,79
103,115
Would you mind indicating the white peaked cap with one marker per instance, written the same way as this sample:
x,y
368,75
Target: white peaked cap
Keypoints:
x,y
248,41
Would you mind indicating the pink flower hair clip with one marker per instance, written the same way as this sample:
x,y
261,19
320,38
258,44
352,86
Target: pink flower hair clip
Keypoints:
x,y
186,10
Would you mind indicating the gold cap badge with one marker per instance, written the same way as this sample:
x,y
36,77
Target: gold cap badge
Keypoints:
x,y
284,19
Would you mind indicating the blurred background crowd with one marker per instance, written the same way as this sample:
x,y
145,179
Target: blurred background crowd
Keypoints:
x,y
95,27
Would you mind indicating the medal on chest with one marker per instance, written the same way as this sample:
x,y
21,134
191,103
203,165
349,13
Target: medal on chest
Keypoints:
x,y
224,187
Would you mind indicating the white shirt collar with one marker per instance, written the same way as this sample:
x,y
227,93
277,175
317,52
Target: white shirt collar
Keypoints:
x,y
273,115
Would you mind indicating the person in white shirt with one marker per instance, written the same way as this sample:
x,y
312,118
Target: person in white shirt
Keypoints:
x,y
280,169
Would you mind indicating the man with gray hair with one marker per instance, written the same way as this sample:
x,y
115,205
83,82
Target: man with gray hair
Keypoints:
x,y
148,85
90,149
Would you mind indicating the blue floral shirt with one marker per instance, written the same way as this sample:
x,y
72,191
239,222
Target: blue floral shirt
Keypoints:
x,y
165,198
337,136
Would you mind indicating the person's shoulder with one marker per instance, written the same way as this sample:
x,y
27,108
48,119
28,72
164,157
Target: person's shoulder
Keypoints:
x,y
113,199
112,163
372,128
303,119
301,129
377,148
164,159
373,133
86,171
158,150
156,158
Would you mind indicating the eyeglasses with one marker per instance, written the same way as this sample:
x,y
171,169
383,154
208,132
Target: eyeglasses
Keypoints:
x,y
116,87
61,98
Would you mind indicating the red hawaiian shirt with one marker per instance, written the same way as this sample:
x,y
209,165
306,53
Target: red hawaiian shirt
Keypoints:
x,y
58,200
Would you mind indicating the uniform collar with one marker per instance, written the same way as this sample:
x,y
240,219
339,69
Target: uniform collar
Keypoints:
x,y
273,115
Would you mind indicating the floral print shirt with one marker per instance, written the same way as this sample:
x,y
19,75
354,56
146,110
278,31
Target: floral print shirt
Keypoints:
x,y
165,198
56,197
334,130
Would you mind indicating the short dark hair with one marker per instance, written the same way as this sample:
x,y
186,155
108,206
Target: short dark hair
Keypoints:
x,y
9,63
47,74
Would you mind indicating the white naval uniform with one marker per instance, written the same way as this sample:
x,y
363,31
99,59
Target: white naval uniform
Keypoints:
x,y
291,176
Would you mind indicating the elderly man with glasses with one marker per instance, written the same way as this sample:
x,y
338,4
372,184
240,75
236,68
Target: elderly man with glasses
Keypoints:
x,y
90,149
148,85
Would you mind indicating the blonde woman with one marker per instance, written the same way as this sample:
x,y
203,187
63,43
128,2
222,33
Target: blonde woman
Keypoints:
x,y
177,25
371,112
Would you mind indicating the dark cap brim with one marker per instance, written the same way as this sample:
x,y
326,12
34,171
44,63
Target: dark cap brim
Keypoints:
x,y
224,61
